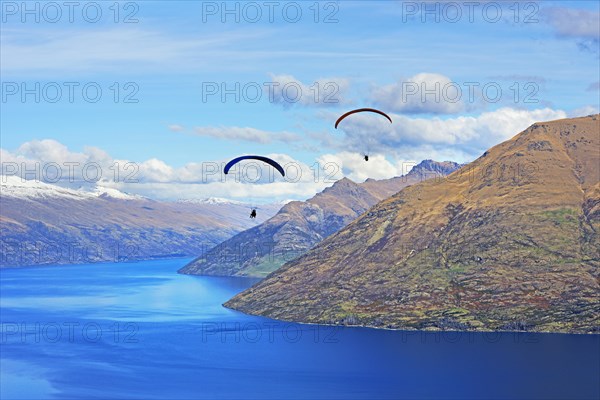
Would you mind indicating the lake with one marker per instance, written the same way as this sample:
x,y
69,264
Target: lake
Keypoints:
x,y
139,330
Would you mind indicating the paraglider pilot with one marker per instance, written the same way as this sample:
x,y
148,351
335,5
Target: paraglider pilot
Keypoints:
x,y
267,160
360,110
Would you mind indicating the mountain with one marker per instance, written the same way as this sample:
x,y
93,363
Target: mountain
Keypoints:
x,y
508,242
42,223
299,225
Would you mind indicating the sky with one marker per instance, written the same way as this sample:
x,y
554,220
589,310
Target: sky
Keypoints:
x,y
152,97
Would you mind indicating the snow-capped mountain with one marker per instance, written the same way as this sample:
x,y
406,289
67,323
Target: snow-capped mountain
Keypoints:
x,y
16,186
104,224
211,200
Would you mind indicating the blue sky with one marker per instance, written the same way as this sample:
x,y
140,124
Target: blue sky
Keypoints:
x,y
369,52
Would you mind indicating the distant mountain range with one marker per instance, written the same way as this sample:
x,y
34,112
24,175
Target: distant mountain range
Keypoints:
x,y
508,242
299,225
42,223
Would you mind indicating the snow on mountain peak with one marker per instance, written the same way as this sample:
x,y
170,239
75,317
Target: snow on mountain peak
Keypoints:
x,y
211,200
102,191
15,186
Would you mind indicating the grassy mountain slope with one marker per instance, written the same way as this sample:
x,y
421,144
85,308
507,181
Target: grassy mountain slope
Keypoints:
x,y
509,241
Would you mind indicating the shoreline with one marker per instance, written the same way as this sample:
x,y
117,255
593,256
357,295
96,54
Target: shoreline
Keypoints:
x,y
407,329
48,265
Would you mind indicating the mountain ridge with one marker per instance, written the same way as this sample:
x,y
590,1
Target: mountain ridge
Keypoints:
x,y
66,226
299,225
508,242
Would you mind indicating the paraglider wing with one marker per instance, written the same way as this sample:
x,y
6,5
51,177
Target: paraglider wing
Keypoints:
x,y
267,160
361,110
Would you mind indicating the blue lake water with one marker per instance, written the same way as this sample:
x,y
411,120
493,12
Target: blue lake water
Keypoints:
x,y
139,330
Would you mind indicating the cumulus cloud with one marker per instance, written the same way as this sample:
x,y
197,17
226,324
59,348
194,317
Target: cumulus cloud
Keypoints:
x,y
422,93
353,166
52,162
246,134
155,170
49,150
392,148
463,137
288,91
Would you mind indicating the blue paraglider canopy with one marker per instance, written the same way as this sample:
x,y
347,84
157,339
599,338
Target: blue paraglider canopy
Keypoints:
x,y
267,160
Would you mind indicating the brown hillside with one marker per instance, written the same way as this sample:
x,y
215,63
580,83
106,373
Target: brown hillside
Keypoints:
x,y
509,241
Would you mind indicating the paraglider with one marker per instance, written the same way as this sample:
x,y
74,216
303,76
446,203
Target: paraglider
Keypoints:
x,y
267,160
358,110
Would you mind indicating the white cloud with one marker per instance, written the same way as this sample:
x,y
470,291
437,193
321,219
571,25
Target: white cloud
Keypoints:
x,y
176,128
391,148
353,166
50,161
49,150
155,170
583,111
422,93
276,191
246,134
458,139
